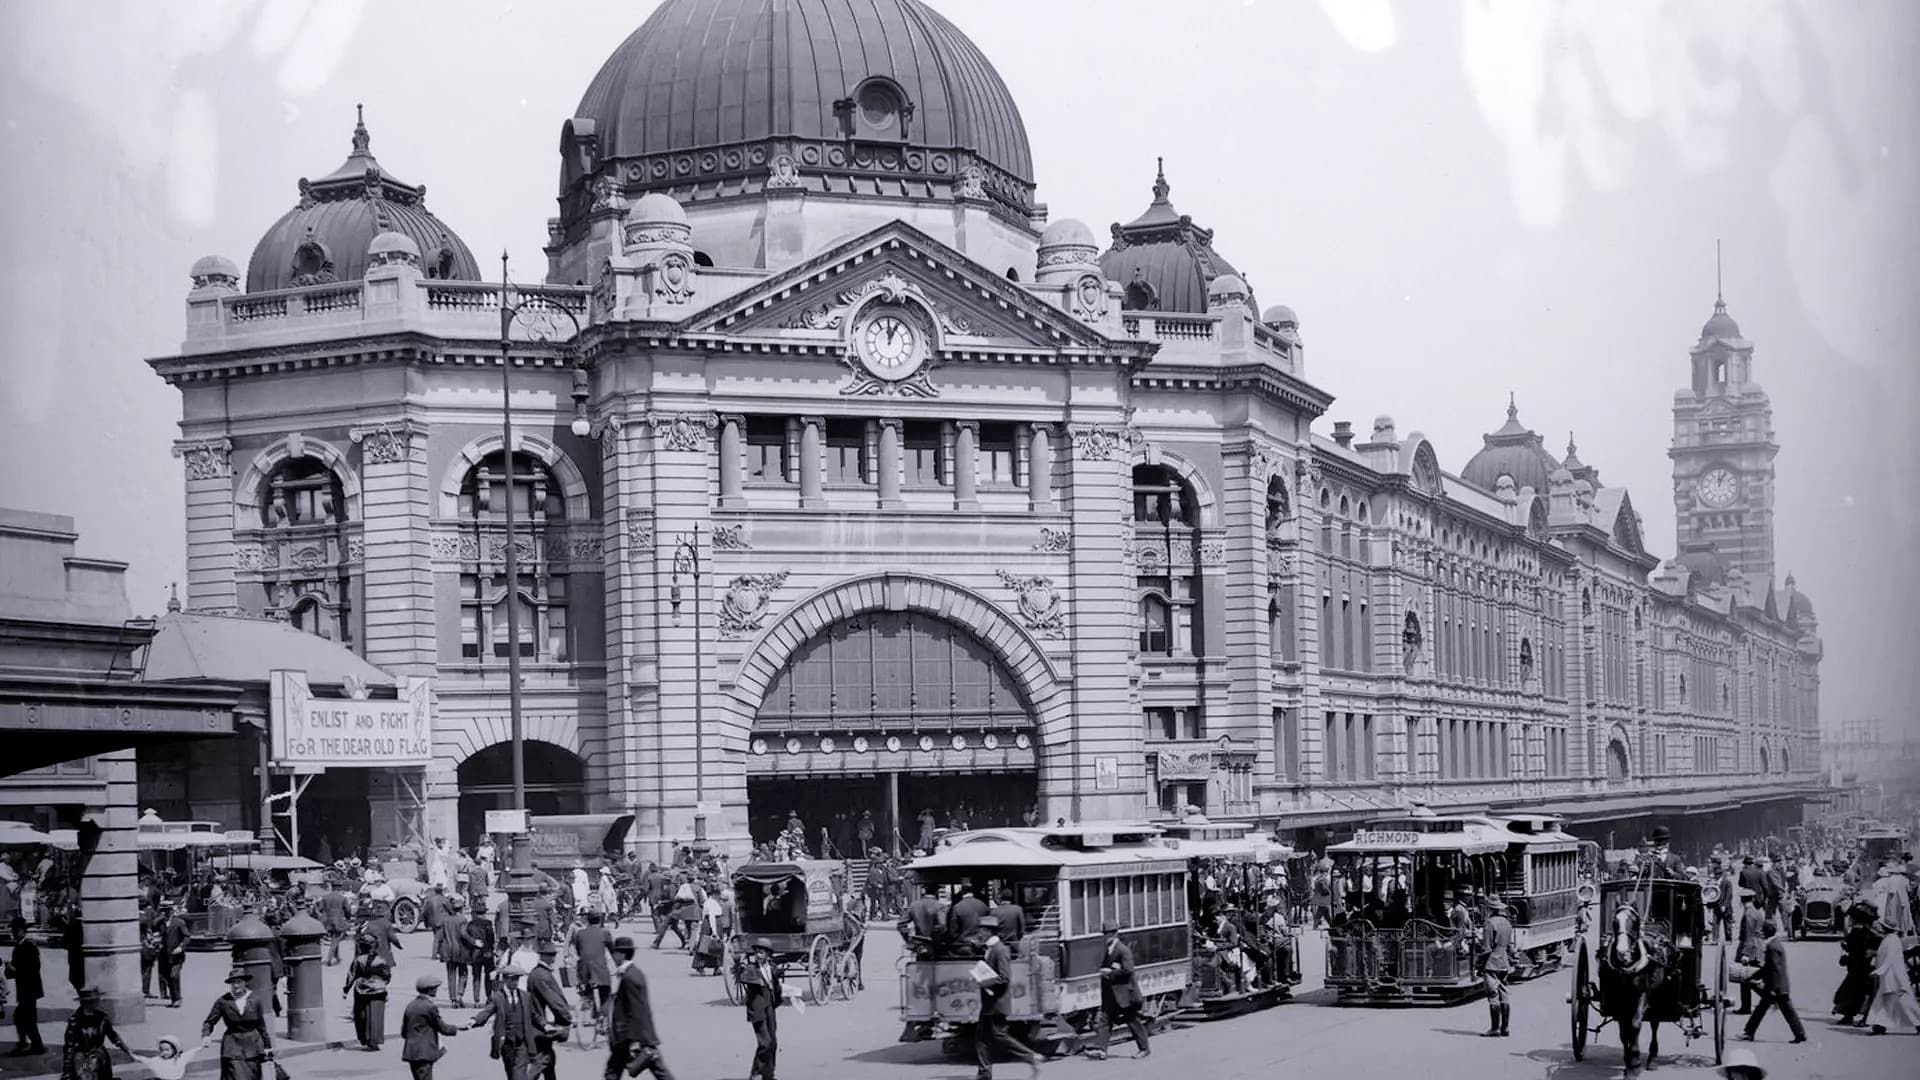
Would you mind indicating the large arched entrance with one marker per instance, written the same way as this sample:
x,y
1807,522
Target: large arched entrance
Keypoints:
x,y
556,784
902,715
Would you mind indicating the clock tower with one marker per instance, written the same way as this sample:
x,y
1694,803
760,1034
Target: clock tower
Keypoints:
x,y
1723,451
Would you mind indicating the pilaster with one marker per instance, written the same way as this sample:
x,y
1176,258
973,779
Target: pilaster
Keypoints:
x,y
110,894
1103,634
209,504
396,509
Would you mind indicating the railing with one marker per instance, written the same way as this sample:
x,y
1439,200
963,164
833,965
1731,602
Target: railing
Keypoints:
x,y
266,307
346,299
482,296
1422,953
1168,327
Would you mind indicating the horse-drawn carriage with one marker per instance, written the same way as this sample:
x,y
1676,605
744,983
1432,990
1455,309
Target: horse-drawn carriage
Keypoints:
x,y
1653,965
800,908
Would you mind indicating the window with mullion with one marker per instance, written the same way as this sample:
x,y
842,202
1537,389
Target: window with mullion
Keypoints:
x,y
997,457
923,451
846,451
767,457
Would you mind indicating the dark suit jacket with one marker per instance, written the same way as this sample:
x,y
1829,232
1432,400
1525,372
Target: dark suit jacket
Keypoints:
x,y
451,934
246,1037
1751,939
632,1011
925,917
762,996
25,969
1116,975
964,916
477,936
1773,971
420,1030
334,913
173,937
550,1001
997,996
1013,921
1752,877
433,908
512,1018
592,945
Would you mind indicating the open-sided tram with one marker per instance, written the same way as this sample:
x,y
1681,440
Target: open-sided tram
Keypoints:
x,y
1069,881
1395,943
1244,957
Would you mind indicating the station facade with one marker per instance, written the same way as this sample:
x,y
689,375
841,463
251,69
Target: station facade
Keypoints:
x,y
900,496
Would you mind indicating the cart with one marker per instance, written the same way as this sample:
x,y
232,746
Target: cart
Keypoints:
x,y
1655,922
800,909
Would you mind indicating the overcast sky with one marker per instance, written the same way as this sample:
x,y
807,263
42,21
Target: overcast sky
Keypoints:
x,y
1460,199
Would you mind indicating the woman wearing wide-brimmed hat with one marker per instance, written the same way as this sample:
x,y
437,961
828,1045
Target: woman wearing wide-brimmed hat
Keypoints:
x,y
367,981
246,1043
89,1031
1893,1007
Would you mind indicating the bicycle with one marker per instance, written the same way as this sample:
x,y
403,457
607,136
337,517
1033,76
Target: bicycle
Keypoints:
x,y
588,1029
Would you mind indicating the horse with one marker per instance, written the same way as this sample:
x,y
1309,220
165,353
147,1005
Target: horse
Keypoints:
x,y
1632,973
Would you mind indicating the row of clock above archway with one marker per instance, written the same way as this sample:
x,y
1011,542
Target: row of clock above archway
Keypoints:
x,y
893,744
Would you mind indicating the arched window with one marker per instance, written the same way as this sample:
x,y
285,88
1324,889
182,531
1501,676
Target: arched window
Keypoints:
x,y
1156,625
1618,767
1411,639
540,592
1526,660
1162,496
701,258
310,617
1278,509
302,491
1013,274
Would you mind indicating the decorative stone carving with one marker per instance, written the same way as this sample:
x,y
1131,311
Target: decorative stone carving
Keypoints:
x,y
730,538
1103,443
1279,565
383,444
1266,461
1054,541
783,172
605,293
308,558
256,557
683,432
639,532
610,437
973,183
523,550
1087,300
861,383
455,547
744,605
889,286
356,551
1040,606
1212,553
570,548
207,459
673,278
607,196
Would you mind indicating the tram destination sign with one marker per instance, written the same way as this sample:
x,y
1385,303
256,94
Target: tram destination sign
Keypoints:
x,y
1387,838
349,732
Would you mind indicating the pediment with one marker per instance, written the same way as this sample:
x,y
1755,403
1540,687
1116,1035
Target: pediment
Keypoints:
x,y
968,307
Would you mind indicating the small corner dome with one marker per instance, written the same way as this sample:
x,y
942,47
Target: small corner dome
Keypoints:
x,y
1227,288
214,270
390,243
1721,325
656,208
1280,315
1068,232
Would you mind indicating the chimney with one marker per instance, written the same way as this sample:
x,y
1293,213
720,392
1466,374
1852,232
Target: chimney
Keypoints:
x,y
1343,433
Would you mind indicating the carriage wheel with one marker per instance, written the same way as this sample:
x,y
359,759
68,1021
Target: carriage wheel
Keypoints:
x,y
843,974
1720,1006
730,971
406,915
819,957
1581,1003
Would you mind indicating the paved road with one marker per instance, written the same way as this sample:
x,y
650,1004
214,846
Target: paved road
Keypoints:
x,y
708,1039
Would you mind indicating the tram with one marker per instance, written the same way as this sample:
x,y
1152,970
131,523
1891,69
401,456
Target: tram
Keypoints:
x,y
1068,880
1395,943
1244,958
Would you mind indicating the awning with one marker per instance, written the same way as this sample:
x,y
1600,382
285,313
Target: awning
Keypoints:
x,y
47,721
1652,804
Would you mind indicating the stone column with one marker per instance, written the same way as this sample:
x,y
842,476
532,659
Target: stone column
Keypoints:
x,y
966,470
210,523
810,460
110,899
1105,720
730,460
1039,469
890,464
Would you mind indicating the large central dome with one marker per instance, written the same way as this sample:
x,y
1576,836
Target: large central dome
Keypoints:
x,y
717,98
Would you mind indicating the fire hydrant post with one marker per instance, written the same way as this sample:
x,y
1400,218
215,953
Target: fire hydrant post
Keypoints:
x,y
300,942
252,941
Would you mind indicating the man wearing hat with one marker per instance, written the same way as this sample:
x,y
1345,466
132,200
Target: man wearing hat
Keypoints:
x,y
1119,997
1775,986
761,989
421,1027
996,998
450,939
433,911
1740,1064
173,951
632,1043
1661,861
336,916
1496,945
245,1043
514,1027
549,1003
593,951
1751,946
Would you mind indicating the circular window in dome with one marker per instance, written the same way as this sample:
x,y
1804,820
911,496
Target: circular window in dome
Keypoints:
x,y
879,104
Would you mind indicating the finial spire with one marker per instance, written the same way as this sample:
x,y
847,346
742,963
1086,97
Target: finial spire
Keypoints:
x,y
360,138
173,597
1160,186
1719,289
1572,450
1513,410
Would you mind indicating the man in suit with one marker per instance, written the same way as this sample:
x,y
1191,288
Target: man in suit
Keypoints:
x,y
1119,998
433,911
593,956
477,936
24,970
1013,919
421,1027
336,917
514,1026
1497,957
632,1044
1775,986
549,1004
996,1004
925,920
1751,949
150,925
1752,876
452,948
173,951
963,918
763,992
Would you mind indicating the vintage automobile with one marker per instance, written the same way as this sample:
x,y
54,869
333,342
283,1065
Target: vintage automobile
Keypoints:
x,y
1823,903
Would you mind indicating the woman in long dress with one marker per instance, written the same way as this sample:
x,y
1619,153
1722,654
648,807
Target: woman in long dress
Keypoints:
x,y
246,1043
367,981
1857,951
89,1030
1893,1006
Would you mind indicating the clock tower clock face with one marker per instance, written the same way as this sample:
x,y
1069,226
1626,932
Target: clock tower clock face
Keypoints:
x,y
890,344
1718,487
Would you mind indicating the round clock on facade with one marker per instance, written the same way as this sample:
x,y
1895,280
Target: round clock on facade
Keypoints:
x,y
859,744
827,744
759,746
1718,487
893,744
926,743
990,741
890,343
793,746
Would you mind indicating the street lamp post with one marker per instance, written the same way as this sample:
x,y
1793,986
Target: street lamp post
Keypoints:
x,y
536,314
686,560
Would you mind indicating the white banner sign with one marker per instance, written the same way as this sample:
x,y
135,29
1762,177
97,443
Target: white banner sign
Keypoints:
x,y
506,822
348,732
